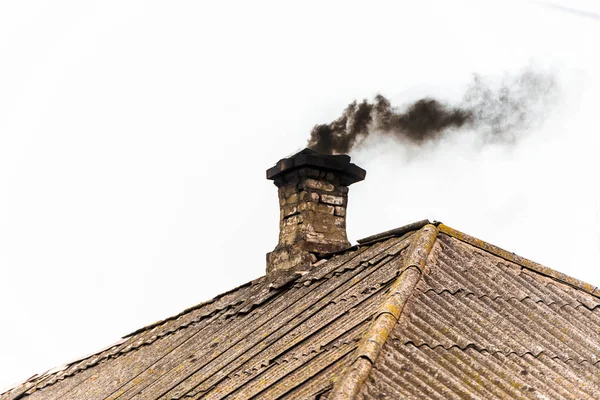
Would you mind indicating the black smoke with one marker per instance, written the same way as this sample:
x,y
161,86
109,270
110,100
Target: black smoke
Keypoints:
x,y
500,112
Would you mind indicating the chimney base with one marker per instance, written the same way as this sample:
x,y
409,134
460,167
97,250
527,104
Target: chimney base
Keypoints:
x,y
289,258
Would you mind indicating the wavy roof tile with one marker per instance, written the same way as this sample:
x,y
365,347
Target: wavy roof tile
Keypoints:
x,y
422,311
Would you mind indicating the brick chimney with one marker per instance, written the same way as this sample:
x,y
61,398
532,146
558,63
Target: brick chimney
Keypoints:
x,y
313,196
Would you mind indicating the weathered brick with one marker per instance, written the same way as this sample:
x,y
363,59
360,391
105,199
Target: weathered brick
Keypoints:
x,y
309,196
293,199
333,200
320,185
315,236
288,237
322,226
325,209
340,211
290,210
288,190
312,206
339,222
288,229
307,205
293,220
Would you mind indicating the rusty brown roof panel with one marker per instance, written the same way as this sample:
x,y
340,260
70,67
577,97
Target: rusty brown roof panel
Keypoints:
x,y
482,327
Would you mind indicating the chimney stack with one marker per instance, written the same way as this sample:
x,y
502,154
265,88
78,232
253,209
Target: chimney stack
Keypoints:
x,y
313,196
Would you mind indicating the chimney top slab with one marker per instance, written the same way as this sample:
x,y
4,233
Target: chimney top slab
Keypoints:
x,y
310,158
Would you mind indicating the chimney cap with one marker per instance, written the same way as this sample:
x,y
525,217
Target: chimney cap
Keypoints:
x,y
310,158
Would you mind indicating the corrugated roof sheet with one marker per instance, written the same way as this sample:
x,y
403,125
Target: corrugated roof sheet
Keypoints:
x,y
287,338
409,315
481,327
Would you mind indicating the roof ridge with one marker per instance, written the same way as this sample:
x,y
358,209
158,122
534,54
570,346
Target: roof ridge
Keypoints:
x,y
413,264
395,232
523,262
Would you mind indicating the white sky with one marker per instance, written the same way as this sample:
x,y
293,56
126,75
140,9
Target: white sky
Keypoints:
x,y
135,135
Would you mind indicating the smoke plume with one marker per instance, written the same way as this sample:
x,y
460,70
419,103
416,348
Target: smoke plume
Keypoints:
x,y
499,112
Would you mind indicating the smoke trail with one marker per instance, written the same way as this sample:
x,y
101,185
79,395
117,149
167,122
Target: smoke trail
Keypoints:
x,y
497,113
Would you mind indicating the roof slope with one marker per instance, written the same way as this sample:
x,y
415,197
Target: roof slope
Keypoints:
x,y
480,326
422,311
289,337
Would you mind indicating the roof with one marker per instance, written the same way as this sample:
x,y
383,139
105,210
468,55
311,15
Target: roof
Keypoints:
x,y
422,311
